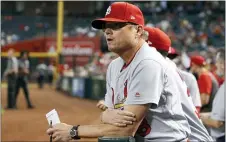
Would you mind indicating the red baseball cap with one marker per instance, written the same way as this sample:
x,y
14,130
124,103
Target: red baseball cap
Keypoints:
x,y
198,60
158,39
120,12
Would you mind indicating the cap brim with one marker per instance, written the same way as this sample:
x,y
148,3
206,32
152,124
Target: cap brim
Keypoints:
x,y
98,23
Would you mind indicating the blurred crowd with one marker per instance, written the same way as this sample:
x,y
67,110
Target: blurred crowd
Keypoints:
x,y
97,66
191,26
194,28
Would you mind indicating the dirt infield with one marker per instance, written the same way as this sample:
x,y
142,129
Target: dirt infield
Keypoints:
x,y
30,124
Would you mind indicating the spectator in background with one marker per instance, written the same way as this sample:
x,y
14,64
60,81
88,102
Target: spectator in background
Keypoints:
x,y
41,69
216,118
11,74
94,67
22,80
207,83
60,69
105,60
50,73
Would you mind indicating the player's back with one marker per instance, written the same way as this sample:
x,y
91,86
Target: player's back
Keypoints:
x,y
192,85
198,130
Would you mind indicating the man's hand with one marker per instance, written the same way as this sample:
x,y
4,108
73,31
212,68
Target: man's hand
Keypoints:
x,y
208,121
101,105
120,118
60,132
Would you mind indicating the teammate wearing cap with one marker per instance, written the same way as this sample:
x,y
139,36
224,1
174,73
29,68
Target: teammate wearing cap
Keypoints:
x,y
138,81
207,83
159,40
190,81
216,118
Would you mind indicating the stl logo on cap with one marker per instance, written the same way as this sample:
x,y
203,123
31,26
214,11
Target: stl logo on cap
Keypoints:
x,y
108,10
120,12
132,17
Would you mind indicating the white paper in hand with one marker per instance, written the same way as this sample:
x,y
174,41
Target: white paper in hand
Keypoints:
x,y
53,115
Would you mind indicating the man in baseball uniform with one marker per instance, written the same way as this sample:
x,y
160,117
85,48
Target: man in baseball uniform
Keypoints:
x,y
139,81
159,40
162,43
207,83
189,79
216,118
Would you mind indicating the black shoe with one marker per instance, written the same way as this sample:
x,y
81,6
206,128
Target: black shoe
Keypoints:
x,y
30,107
10,107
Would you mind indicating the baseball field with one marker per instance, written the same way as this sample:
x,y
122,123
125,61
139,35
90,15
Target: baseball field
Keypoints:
x,y
25,124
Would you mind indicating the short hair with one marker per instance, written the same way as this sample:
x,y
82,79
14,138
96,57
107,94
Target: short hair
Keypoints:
x,y
172,56
162,52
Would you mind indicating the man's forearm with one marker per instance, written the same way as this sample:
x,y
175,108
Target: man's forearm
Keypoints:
x,y
208,121
94,131
205,98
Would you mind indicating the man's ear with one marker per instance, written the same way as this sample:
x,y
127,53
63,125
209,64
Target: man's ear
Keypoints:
x,y
140,30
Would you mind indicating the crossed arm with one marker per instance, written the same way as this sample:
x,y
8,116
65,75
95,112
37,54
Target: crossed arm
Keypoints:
x,y
60,132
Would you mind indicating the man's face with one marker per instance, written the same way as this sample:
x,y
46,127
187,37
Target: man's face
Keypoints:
x,y
193,68
120,36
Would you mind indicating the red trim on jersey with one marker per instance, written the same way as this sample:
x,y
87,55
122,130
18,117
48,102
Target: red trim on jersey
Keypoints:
x,y
188,92
205,83
113,95
197,113
126,65
198,108
125,89
144,128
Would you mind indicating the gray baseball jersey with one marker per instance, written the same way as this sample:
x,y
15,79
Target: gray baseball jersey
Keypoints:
x,y
198,130
218,112
149,80
192,85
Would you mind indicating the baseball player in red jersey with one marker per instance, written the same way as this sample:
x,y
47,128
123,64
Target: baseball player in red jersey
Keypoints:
x,y
138,81
207,83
